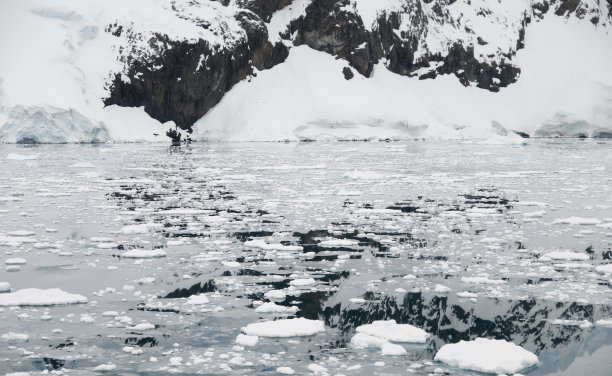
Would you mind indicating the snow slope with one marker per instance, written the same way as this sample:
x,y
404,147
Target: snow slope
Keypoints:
x,y
307,98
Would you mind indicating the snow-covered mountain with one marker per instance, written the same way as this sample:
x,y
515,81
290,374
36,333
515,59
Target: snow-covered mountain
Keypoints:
x,y
99,70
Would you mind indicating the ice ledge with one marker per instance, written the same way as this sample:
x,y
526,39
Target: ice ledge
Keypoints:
x,y
50,125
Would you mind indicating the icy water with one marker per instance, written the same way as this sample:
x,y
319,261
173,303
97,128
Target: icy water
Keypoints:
x,y
447,237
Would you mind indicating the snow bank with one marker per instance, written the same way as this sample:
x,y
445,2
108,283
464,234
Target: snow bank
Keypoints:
x,y
285,328
40,297
487,355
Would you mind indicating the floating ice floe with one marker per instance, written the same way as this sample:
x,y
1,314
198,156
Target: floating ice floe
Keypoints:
x,y
100,239
5,287
482,280
441,289
366,341
275,294
390,330
246,340
105,367
317,368
574,265
487,355
143,326
258,243
146,280
604,269
271,307
139,229
303,282
21,233
578,221
144,253
21,157
534,214
87,319
40,297
364,175
285,328
10,336
339,243
604,322
15,261
565,255
467,294
198,299
82,165
285,370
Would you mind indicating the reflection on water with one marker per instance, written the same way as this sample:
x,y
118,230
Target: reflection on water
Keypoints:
x,y
450,238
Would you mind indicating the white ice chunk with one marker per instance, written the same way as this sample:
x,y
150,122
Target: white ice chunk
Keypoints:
x,y
565,255
144,253
275,294
482,280
392,331
303,282
339,243
10,336
487,355
246,340
271,307
197,299
285,328
5,287
578,221
40,297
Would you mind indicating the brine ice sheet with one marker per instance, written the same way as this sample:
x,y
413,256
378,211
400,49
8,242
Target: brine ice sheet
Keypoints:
x,y
160,257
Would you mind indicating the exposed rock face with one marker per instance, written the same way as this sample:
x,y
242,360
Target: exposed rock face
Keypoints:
x,y
329,27
193,77
182,80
